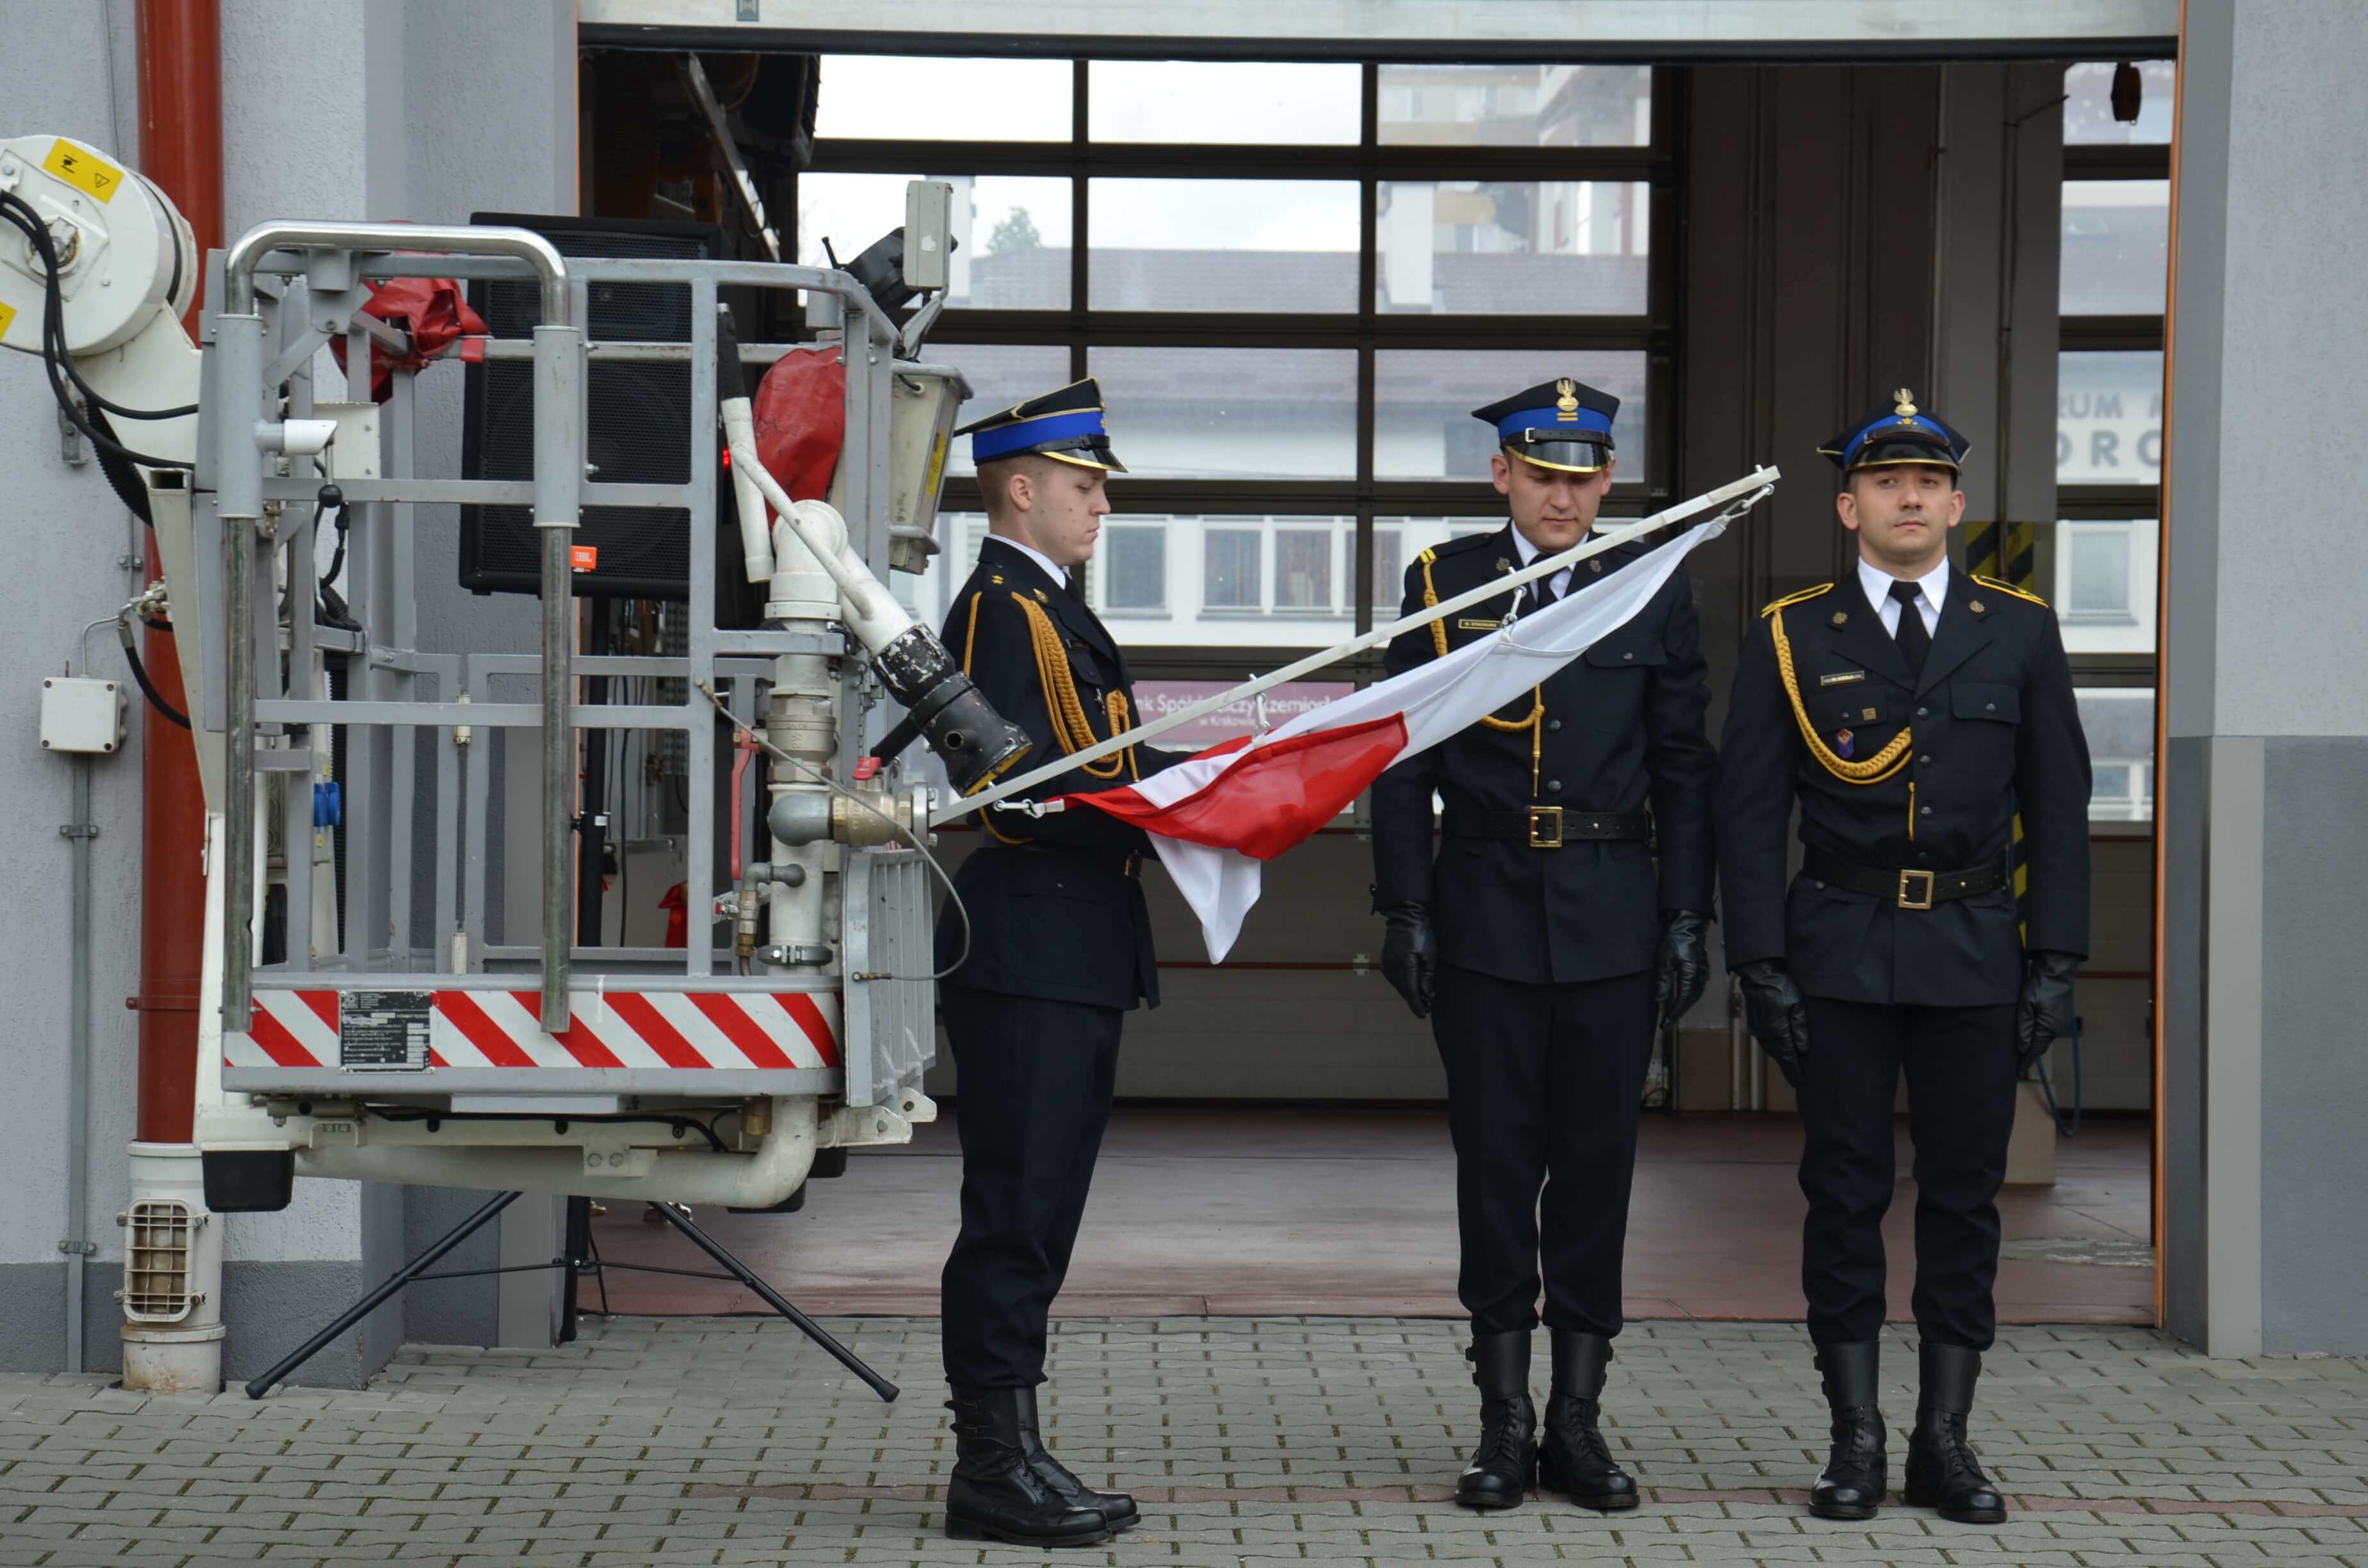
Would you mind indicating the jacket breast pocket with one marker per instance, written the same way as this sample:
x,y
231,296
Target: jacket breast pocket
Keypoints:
x,y
1985,702
1087,669
1626,653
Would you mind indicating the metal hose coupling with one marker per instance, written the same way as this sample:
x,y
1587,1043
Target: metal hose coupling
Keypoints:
x,y
976,743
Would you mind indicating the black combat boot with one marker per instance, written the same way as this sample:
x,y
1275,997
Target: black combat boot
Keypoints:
x,y
1572,1458
1852,1483
1116,1507
1505,1465
1942,1471
996,1493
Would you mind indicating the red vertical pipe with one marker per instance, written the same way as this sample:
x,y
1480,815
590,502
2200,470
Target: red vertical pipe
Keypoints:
x,y
181,149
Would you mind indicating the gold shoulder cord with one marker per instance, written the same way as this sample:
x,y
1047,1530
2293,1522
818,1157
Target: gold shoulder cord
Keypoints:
x,y
1876,768
1070,725
2007,588
1534,723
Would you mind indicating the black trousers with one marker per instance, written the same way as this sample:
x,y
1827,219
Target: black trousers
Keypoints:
x,y
1035,1082
1961,1073
1543,1086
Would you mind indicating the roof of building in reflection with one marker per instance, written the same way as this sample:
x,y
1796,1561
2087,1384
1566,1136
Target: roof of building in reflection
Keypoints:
x,y
1509,283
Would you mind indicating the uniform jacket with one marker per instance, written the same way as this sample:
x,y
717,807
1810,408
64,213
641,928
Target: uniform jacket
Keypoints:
x,y
1993,728
1055,907
1619,729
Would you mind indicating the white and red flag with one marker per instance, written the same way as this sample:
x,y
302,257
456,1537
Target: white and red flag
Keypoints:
x,y
1216,815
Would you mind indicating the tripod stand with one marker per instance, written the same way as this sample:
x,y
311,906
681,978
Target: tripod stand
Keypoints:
x,y
580,1263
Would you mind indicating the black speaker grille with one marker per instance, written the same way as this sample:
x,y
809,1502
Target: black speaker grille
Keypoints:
x,y
640,418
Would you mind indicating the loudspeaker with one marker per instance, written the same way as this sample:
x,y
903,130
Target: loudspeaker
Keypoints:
x,y
639,428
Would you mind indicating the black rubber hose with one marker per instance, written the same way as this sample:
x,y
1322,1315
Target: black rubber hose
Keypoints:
x,y
140,675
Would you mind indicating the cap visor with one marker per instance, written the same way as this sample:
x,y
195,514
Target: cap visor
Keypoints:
x,y
1107,461
1565,456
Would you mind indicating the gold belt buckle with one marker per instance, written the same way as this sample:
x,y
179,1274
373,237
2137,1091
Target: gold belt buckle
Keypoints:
x,y
1908,899
1538,814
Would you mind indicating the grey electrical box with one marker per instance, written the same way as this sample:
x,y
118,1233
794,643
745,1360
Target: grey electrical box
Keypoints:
x,y
929,233
80,715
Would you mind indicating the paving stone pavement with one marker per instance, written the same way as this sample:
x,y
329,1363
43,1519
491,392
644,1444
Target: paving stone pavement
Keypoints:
x,y
733,1441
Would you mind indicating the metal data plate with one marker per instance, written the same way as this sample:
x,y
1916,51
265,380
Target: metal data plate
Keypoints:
x,y
383,1031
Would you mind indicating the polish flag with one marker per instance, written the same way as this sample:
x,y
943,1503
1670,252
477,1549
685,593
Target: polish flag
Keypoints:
x,y
1216,815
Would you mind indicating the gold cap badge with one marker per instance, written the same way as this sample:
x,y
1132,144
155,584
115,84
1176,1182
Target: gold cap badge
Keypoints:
x,y
1906,407
1565,402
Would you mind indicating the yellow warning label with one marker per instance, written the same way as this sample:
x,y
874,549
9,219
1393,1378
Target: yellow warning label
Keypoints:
x,y
85,170
6,316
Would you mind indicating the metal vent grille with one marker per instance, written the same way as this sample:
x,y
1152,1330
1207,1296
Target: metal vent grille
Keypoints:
x,y
157,1238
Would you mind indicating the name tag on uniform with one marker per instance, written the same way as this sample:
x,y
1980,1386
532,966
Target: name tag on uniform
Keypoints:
x,y
1469,624
1844,678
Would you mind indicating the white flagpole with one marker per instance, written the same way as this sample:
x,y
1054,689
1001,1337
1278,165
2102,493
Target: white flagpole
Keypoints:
x,y
1753,485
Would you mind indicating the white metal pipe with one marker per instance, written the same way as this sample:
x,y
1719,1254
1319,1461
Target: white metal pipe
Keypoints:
x,y
244,257
740,1181
871,611
1752,483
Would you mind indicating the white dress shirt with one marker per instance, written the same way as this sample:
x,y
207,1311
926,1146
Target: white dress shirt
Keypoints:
x,y
1058,574
1561,580
1876,584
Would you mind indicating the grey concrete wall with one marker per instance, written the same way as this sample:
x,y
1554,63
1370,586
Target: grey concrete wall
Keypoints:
x,y
2263,803
332,108
69,538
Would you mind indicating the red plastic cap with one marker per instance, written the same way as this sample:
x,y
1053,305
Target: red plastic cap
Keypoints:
x,y
866,768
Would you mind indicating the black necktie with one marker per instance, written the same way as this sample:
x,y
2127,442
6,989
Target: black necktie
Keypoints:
x,y
1542,595
1913,640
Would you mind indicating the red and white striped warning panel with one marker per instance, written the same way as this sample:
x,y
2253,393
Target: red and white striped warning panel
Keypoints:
x,y
417,1030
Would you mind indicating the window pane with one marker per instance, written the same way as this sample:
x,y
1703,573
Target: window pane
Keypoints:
x,y
2097,562
1134,559
914,98
1222,245
1423,400
1181,101
1231,581
1231,412
2089,111
2116,246
1011,232
2105,584
1229,572
1516,106
1505,245
2108,418
930,595
1000,374
1303,568
2120,725
1398,540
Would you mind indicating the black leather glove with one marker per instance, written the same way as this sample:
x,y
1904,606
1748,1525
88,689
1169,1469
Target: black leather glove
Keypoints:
x,y
1776,1014
1410,954
2043,1016
1682,967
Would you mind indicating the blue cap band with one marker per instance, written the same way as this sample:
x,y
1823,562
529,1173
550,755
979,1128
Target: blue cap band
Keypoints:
x,y
1891,423
1024,435
1551,421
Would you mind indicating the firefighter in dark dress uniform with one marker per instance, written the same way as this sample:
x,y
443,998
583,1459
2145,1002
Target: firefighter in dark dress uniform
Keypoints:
x,y
1911,711
1059,951
1544,933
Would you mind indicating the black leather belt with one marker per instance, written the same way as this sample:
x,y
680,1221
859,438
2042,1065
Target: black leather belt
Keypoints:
x,y
1907,887
1550,827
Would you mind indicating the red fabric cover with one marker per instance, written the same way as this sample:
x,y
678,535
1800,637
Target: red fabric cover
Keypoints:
x,y
432,310
801,417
